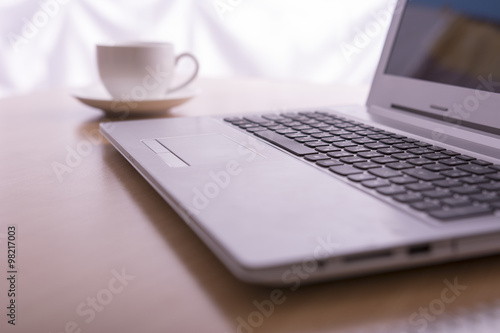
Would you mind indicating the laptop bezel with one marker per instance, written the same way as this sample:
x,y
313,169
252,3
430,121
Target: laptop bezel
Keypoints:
x,y
463,107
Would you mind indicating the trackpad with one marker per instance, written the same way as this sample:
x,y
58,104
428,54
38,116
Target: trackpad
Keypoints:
x,y
208,149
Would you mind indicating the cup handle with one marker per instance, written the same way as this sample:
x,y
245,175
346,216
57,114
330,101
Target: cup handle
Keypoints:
x,y
192,77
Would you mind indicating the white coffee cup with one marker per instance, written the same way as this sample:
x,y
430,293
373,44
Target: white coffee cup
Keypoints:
x,y
140,70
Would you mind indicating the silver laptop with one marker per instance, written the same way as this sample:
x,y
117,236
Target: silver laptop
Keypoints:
x,y
412,178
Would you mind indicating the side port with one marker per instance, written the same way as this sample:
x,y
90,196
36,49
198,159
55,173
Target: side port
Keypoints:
x,y
418,250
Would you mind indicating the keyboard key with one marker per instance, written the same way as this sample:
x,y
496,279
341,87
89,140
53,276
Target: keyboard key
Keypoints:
x,y
352,160
356,149
403,180
327,149
436,148
339,154
419,187
312,131
405,146
419,161
465,190
255,129
232,119
305,139
331,139
363,141
447,183
404,156
316,157
361,177
376,146
437,167
321,135
495,167
465,158
426,206
423,174
408,198
452,162
400,165
450,153
391,141
343,144
456,202
315,144
376,183
437,194
367,165
366,132
476,169
391,190
422,144
475,180
378,136
460,212
338,132
495,176
384,173
350,136
455,173
485,197
277,127
369,154
384,160
247,125
410,140
287,144
436,156
420,151
481,162
390,151
295,135
286,131
490,187
345,170
328,163
301,127
354,128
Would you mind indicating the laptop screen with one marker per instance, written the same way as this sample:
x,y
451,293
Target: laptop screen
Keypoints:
x,y
454,42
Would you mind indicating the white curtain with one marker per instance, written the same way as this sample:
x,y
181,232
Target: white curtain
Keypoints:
x,y
51,43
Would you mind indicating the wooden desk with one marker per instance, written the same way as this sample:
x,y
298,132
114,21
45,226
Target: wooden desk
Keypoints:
x,y
99,251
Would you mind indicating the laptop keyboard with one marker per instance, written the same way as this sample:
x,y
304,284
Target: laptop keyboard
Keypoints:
x,y
442,183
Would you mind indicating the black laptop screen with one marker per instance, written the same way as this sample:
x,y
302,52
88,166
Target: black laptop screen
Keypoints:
x,y
454,42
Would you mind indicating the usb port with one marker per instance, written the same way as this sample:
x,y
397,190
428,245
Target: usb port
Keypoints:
x,y
419,249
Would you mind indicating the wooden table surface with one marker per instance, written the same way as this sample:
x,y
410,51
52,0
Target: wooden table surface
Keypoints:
x,y
97,250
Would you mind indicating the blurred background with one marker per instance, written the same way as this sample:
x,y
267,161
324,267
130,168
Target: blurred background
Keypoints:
x,y
51,43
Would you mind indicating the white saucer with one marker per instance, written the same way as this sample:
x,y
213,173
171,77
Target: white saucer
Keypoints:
x,y
97,97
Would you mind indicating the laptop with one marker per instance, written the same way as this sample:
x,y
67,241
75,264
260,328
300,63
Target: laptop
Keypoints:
x,y
411,178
